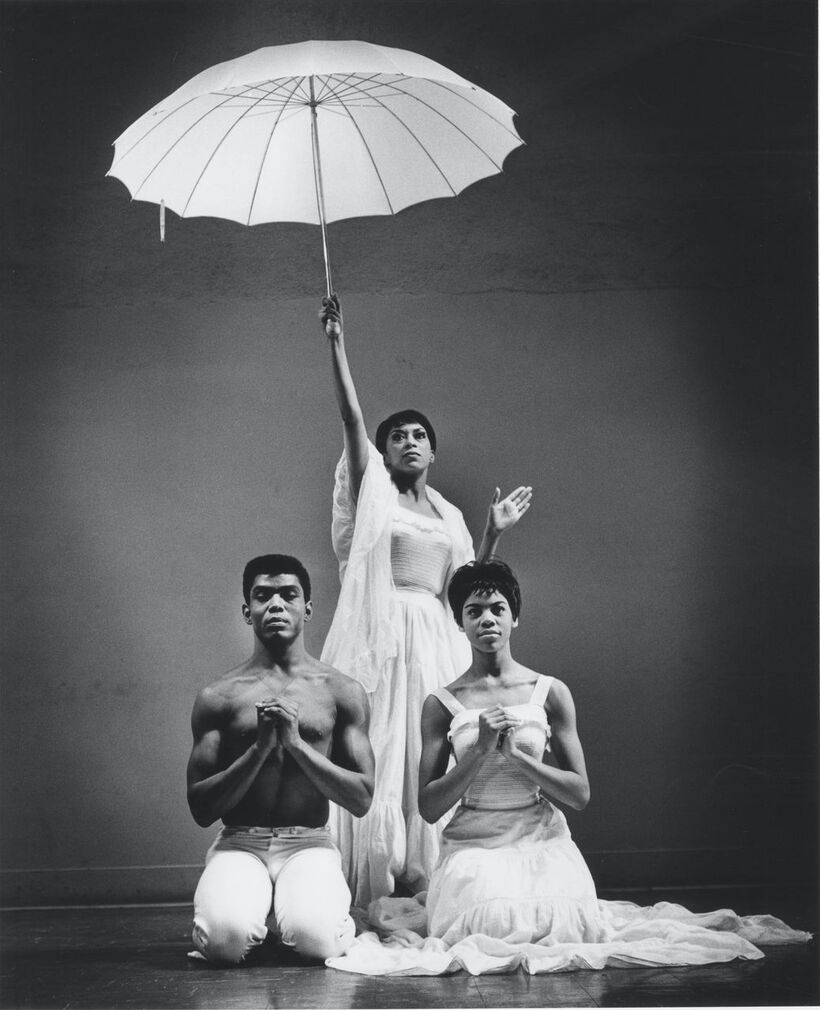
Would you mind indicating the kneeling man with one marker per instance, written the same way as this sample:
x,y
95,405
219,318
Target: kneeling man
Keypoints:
x,y
274,740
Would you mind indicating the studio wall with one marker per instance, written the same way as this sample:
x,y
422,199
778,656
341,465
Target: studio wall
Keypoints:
x,y
625,319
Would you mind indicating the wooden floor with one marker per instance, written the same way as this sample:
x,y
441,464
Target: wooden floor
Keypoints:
x,y
135,956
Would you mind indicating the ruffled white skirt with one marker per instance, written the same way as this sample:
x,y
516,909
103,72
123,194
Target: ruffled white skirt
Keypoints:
x,y
512,889
515,875
392,841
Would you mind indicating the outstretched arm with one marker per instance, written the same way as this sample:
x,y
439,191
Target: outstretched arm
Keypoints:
x,y
212,791
502,515
440,789
347,777
567,783
355,434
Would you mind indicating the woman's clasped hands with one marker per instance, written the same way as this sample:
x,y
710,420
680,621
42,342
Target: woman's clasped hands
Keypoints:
x,y
496,731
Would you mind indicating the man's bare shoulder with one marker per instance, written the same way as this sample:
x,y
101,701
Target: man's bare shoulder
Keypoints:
x,y
222,692
342,687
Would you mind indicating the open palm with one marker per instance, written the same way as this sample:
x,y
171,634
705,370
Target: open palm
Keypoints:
x,y
505,512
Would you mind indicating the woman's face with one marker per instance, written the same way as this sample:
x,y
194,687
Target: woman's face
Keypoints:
x,y
487,621
408,449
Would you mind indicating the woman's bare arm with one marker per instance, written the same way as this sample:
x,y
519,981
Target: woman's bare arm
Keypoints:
x,y
440,789
502,515
568,783
355,433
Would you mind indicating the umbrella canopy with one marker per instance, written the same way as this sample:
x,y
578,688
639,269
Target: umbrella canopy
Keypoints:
x,y
314,132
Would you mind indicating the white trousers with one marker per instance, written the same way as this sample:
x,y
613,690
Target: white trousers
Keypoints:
x,y
299,868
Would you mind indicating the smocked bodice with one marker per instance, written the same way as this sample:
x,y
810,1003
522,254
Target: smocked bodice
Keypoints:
x,y
500,784
421,552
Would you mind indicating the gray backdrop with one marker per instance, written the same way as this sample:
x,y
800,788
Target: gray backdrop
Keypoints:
x,y
625,318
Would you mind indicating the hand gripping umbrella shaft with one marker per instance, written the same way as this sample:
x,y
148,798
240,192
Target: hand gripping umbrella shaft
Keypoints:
x,y
317,176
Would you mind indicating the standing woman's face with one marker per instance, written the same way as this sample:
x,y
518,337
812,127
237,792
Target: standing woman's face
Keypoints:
x,y
408,449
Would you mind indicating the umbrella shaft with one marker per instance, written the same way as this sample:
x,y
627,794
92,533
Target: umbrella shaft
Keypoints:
x,y
317,175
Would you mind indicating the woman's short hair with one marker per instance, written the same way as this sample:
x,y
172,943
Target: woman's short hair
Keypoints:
x,y
274,564
399,418
483,577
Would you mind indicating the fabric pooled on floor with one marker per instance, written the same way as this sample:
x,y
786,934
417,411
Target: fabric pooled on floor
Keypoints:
x,y
660,935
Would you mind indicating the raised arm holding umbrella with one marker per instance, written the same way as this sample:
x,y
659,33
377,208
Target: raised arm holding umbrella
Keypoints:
x,y
398,541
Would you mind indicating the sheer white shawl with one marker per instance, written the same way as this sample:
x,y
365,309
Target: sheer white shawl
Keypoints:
x,y
363,639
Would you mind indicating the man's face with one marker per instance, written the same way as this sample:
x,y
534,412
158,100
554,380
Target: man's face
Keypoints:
x,y
277,608
408,449
487,621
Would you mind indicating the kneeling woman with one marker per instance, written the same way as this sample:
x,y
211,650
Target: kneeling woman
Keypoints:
x,y
511,888
508,867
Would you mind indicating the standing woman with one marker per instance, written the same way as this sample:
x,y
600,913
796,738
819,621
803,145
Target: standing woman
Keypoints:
x,y
398,541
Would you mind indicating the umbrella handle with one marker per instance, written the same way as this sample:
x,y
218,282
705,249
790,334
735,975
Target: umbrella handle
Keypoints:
x,y
317,178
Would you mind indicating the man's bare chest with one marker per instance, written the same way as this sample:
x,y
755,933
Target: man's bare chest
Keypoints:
x,y
313,704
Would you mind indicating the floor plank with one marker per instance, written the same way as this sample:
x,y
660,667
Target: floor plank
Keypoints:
x,y
562,989
136,958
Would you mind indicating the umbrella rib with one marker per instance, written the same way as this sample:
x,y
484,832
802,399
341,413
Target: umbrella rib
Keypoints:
x,y
224,137
441,84
401,122
278,88
346,86
351,82
378,81
321,93
421,144
464,98
301,85
438,112
267,146
343,81
180,138
455,126
343,88
370,155
154,127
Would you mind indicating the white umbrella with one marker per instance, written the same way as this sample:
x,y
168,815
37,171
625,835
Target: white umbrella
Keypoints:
x,y
314,132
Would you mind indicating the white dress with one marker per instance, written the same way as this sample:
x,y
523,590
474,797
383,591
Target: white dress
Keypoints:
x,y
512,888
393,632
509,867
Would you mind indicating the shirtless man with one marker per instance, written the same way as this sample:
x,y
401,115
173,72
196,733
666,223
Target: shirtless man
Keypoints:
x,y
274,740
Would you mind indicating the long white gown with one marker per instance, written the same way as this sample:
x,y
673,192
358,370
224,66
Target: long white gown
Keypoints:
x,y
393,632
511,888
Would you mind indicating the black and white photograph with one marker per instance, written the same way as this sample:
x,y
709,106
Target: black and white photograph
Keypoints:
x,y
410,504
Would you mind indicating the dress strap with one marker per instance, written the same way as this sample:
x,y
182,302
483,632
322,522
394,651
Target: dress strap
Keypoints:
x,y
541,690
451,703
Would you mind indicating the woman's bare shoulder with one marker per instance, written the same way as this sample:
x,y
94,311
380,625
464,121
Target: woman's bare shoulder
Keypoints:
x,y
559,699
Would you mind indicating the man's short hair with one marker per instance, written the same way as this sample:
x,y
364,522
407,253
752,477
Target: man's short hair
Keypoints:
x,y
399,418
483,577
274,564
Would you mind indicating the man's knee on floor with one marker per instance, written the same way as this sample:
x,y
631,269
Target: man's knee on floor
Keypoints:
x,y
319,936
226,940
